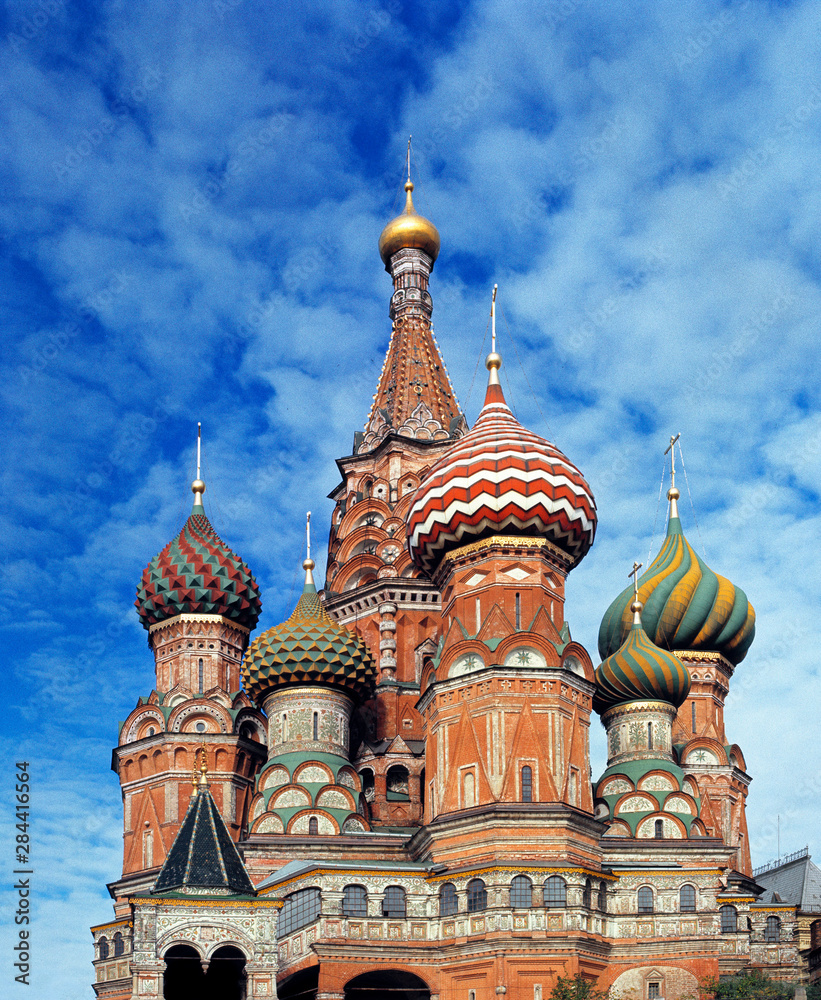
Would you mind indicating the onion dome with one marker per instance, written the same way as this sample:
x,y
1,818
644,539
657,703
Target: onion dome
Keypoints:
x,y
198,574
308,648
408,230
639,671
500,476
686,605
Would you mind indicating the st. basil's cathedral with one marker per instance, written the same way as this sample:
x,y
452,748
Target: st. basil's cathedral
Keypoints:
x,y
390,793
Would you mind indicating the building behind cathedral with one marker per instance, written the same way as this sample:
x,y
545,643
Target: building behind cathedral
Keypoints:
x,y
390,792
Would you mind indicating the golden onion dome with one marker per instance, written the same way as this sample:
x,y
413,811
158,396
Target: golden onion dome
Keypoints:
x,y
408,230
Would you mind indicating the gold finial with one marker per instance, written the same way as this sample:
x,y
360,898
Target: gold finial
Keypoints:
x,y
673,493
201,779
198,486
409,145
308,563
636,607
493,362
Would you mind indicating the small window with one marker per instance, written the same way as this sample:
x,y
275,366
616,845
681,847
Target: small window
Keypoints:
x,y
313,827
602,900
200,727
693,714
355,901
201,675
587,894
393,905
448,900
477,895
645,899
518,613
527,784
658,830
649,735
119,945
521,893
687,899
653,991
555,892
300,908
316,725
103,946
729,919
772,932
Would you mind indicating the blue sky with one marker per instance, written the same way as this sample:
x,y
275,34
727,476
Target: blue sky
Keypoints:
x,y
192,197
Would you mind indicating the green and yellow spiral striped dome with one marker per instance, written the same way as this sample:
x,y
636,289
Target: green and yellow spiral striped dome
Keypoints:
x,y
686,605
639,670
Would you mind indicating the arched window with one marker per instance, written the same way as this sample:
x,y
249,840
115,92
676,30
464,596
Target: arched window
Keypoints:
x,y
649,735
729,919
477,895
658,831
687,899
148,849
527,783
772,932
645,899
602,901
448,900
316,726
102,944
396,784
119,945
521,892
555,892
469,790
202,675
284,727
313,827
587,894
355,901
300,908
393,905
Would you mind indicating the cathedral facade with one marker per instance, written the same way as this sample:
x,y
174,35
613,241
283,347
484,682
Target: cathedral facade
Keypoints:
x,y
391,791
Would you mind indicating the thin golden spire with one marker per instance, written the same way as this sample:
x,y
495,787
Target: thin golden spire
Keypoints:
x,y
636,607
409,146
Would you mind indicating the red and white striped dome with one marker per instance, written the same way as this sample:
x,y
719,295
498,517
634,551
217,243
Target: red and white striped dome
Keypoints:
x,y
500,477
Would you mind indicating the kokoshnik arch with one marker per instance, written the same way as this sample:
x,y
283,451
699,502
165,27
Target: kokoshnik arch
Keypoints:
x,y
392,790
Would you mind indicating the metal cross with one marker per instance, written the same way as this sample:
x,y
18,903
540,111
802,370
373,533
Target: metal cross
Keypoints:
x,y
670,447
634,572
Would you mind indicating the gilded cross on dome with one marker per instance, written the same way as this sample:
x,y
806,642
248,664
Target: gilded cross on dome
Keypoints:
x,y
673,494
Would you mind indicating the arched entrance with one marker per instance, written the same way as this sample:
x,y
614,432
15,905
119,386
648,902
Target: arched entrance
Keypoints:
x,y
185,979
300,985
390,984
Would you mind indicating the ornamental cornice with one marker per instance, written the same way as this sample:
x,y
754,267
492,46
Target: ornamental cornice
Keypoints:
x,y
533,869
123,922
205,619
634,707
215,908
506,541
678,872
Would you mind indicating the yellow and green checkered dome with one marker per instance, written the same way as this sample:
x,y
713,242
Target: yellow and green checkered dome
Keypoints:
x,y
639,670
686,605
308,648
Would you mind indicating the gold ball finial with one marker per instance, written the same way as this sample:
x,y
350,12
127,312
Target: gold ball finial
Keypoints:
x,y
673,493
308,564
198,486
493,360
637,607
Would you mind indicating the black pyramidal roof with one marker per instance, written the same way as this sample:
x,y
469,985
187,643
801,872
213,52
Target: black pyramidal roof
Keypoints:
x,y
203,855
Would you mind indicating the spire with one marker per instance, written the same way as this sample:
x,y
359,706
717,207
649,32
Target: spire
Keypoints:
x,y
414,397
493,362
203,855
198,486
308,564
636,607
673,494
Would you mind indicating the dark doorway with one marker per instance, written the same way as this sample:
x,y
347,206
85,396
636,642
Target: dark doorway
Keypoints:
x,y
184,978
301,985
392,984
